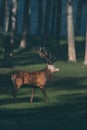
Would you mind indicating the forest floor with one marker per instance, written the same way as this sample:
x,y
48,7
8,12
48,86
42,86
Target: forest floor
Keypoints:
x,y
67,107
67,94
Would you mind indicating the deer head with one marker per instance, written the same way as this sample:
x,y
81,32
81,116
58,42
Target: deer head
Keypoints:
x,y
48,58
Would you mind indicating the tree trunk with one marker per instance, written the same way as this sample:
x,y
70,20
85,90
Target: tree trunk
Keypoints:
x,y
70,30
52,30
25,23
13,22
6,48
40,16
6,19
78,17
9,39
46,21
2,13
58,22
85,58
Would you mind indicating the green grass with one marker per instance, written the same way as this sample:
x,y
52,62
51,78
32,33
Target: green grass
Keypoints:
x,y
67,94
67,107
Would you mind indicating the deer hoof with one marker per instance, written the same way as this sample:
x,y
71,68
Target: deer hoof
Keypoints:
x,y
47,101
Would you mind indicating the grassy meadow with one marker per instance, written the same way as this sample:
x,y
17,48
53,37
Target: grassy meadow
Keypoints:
x,y
67,94
67,107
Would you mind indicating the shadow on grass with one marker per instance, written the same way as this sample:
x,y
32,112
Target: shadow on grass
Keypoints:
x,y
69,112
27,59
72,83
28,56
9,100
63,116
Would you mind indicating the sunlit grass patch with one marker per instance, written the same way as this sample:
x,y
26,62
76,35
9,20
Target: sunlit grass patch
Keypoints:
x,y
67,94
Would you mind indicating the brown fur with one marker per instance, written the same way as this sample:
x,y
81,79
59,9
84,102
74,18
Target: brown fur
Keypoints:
x,y
37,78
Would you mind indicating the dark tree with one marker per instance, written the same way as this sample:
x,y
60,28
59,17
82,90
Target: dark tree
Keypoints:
x,y
6,49
2,13
58,22
52,30
85,58
78,17
40,16
10,32
46,21
26,21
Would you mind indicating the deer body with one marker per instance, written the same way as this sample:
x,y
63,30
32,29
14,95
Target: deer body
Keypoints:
x,y
37,78
34,79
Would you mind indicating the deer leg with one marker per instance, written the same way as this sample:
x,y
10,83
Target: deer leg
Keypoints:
x,y
14,92
15,89
44,93
32,96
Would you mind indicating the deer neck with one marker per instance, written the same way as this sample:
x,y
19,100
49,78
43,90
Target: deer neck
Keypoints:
x,y
47,73
52,68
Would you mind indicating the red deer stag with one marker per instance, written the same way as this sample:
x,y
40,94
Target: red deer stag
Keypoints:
x,y
36,78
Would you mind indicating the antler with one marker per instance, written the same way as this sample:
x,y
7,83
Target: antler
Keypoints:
x,y
45,55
